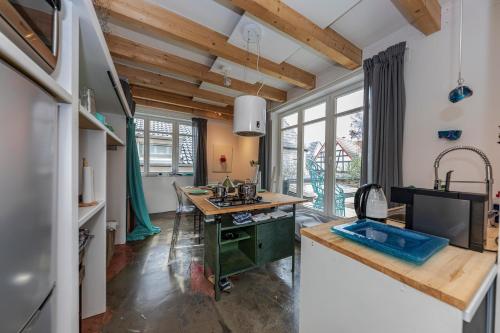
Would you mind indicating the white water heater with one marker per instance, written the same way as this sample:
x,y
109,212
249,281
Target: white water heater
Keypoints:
x,y
249,117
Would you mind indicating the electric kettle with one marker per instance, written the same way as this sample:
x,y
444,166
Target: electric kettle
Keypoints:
x,y
370,202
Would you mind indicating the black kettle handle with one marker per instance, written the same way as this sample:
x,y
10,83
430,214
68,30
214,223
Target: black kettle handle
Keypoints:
x,y
360,199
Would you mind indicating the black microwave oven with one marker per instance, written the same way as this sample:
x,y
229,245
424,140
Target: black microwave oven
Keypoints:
x,y
34,26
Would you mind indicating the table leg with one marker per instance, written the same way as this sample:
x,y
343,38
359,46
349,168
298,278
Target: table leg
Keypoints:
x,y
217,260
293,253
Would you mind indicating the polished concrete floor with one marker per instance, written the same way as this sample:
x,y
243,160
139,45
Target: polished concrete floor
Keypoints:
x,y
152,295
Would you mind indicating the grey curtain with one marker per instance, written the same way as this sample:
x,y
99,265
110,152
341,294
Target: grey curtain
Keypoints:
x,y
264,155
384,115
200,151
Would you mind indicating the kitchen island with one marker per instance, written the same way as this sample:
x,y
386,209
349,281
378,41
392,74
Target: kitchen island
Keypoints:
x,y
350,288
251,244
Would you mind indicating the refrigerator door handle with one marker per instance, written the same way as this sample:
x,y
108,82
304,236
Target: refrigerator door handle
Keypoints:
x,y
37,313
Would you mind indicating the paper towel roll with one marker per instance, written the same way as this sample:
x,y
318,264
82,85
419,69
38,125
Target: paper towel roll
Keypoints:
x,y
88,185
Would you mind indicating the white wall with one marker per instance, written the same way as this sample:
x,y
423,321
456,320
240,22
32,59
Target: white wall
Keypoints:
x,y
431,68
159,192
431,72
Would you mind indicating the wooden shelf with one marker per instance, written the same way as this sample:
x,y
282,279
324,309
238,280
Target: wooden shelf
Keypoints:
x,y
87,121
86,213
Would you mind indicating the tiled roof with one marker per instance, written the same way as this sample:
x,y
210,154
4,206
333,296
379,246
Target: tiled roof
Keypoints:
x,y
352,148
185,149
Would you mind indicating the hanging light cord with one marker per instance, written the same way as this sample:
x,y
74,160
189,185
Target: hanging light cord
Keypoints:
x,y
460,79
258,70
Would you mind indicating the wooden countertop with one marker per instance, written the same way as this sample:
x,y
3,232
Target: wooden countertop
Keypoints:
x,y
272,200
452,275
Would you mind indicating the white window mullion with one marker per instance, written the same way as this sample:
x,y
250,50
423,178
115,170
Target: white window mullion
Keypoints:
x,y
146,145
300,154
175,147
330,144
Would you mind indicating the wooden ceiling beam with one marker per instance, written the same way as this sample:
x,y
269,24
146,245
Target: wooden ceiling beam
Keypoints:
x,y
156,81
425,15
326,41
125,49
176,108
155,20
175,99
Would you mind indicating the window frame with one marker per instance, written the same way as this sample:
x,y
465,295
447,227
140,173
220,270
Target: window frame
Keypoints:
x,y
330,118
175,144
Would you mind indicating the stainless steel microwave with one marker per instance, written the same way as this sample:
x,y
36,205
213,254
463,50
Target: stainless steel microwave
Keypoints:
x,y
33,25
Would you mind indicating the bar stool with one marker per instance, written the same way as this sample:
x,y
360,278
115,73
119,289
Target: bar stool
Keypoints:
x,y
181,210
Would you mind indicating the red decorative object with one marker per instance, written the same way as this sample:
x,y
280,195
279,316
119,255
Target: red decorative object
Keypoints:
x,y
222,158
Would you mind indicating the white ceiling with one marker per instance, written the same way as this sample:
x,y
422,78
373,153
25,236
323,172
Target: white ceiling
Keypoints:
x,y
363,22
321,12
274,45
369,21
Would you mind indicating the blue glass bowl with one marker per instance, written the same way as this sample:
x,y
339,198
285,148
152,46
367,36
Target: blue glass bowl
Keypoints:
x,y
450,135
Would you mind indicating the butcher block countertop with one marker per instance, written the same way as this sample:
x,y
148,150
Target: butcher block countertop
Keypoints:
x,y
453,275
271,200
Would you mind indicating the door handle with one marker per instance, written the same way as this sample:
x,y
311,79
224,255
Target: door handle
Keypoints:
x,y
260,245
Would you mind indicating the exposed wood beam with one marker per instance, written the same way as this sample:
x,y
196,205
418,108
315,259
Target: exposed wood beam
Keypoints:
x,y
174,99
153,19
124,49
171,107
425,15
156,81
299,27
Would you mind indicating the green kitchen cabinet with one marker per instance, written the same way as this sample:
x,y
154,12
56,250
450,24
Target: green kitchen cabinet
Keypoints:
x,y
275,240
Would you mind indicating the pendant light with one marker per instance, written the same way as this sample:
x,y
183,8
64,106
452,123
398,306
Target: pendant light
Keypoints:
x,y
461,92
249,118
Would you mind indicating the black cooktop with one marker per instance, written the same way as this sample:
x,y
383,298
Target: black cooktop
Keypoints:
x,y
230,201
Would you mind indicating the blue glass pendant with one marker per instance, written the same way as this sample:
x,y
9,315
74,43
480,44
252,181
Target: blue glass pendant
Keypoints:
x,y
459,93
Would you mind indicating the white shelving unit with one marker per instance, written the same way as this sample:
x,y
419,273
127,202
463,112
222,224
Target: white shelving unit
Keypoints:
x,y
104,151
84,61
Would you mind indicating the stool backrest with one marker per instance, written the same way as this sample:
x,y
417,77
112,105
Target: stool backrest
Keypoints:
x,y
178,192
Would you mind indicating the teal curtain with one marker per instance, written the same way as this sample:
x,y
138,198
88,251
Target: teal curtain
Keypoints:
x,y
143,225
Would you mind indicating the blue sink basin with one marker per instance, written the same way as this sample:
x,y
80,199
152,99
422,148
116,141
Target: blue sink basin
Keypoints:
x,y
412,246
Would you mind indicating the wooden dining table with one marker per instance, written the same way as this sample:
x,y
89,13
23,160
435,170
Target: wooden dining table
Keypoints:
x,y
231,248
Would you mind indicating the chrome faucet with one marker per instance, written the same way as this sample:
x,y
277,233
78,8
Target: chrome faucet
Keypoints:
x,y
488,179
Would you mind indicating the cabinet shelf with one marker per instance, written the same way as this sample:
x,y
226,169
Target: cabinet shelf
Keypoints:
x,y
86,213
87,121
234,261
242,235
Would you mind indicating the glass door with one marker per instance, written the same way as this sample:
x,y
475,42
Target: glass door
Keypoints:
x,y
348,145
289,140
313,156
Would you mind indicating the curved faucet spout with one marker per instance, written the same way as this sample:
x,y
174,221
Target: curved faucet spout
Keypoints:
x,y
488,170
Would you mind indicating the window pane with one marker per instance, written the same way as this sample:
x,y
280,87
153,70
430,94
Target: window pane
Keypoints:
x,y
139,124
289,161
348,162
350,101
160,146
185,153
290,120
315,112
185,129
139,138
314,164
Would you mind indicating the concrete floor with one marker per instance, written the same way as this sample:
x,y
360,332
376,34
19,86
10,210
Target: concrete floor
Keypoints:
x,y
151,295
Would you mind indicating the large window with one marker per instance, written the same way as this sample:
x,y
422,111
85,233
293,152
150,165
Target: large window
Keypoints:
x,y
165,145
320,145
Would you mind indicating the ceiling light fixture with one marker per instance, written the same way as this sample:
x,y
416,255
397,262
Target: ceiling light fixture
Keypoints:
x,y
249,110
